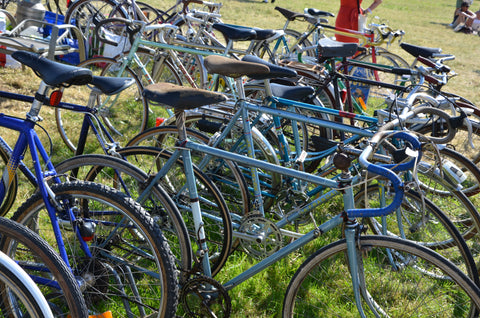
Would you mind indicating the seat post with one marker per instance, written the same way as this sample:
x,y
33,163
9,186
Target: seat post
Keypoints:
x,y
180,123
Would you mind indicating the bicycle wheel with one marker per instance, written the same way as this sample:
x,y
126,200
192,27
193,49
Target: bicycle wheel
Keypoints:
x,y
465,141
215,213
226,174
21,296
420,220
124,115
131,270
86,14
401,279
41,262
125,177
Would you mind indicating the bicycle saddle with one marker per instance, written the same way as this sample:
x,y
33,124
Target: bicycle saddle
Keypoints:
x,y
111,85
292,15
296,93
328,48
289,14
181,97
235,33
275,70
318,13
54,73
417,51
225,66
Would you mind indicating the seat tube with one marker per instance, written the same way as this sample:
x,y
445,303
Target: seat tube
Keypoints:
x,y
193,194
247,132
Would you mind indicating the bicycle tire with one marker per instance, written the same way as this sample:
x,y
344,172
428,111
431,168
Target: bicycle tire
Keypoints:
x,y
461,142
56,7
217,222
422,222
34,255
125,177
121,264
325,278
124,114
11,194
22,296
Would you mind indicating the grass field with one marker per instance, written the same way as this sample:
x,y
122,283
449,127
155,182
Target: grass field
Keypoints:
x,y
425,23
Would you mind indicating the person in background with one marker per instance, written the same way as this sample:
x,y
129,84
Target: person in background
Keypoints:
x,y
471,24
457,7
348,16
463,14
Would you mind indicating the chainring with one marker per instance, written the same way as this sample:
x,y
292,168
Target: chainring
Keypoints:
x,y
205,297
266,236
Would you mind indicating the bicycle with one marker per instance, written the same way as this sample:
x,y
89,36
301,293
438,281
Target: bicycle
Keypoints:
x,y
216,294
86,217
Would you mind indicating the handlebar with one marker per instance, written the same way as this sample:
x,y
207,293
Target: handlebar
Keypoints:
x,y
133,27
386,171
389,170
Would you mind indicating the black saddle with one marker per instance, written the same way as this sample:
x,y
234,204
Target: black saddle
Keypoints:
x,y
235,33
181,97
417,51
54,73
328,48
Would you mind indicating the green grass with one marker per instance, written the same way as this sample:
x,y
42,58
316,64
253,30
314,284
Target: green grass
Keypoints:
x,y
425,23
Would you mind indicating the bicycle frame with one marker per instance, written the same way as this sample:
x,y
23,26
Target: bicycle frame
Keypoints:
x,y
29,138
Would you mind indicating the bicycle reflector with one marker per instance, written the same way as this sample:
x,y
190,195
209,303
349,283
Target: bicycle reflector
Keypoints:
x,y
55,97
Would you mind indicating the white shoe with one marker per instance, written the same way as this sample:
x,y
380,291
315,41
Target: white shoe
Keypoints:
x,y
459,27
